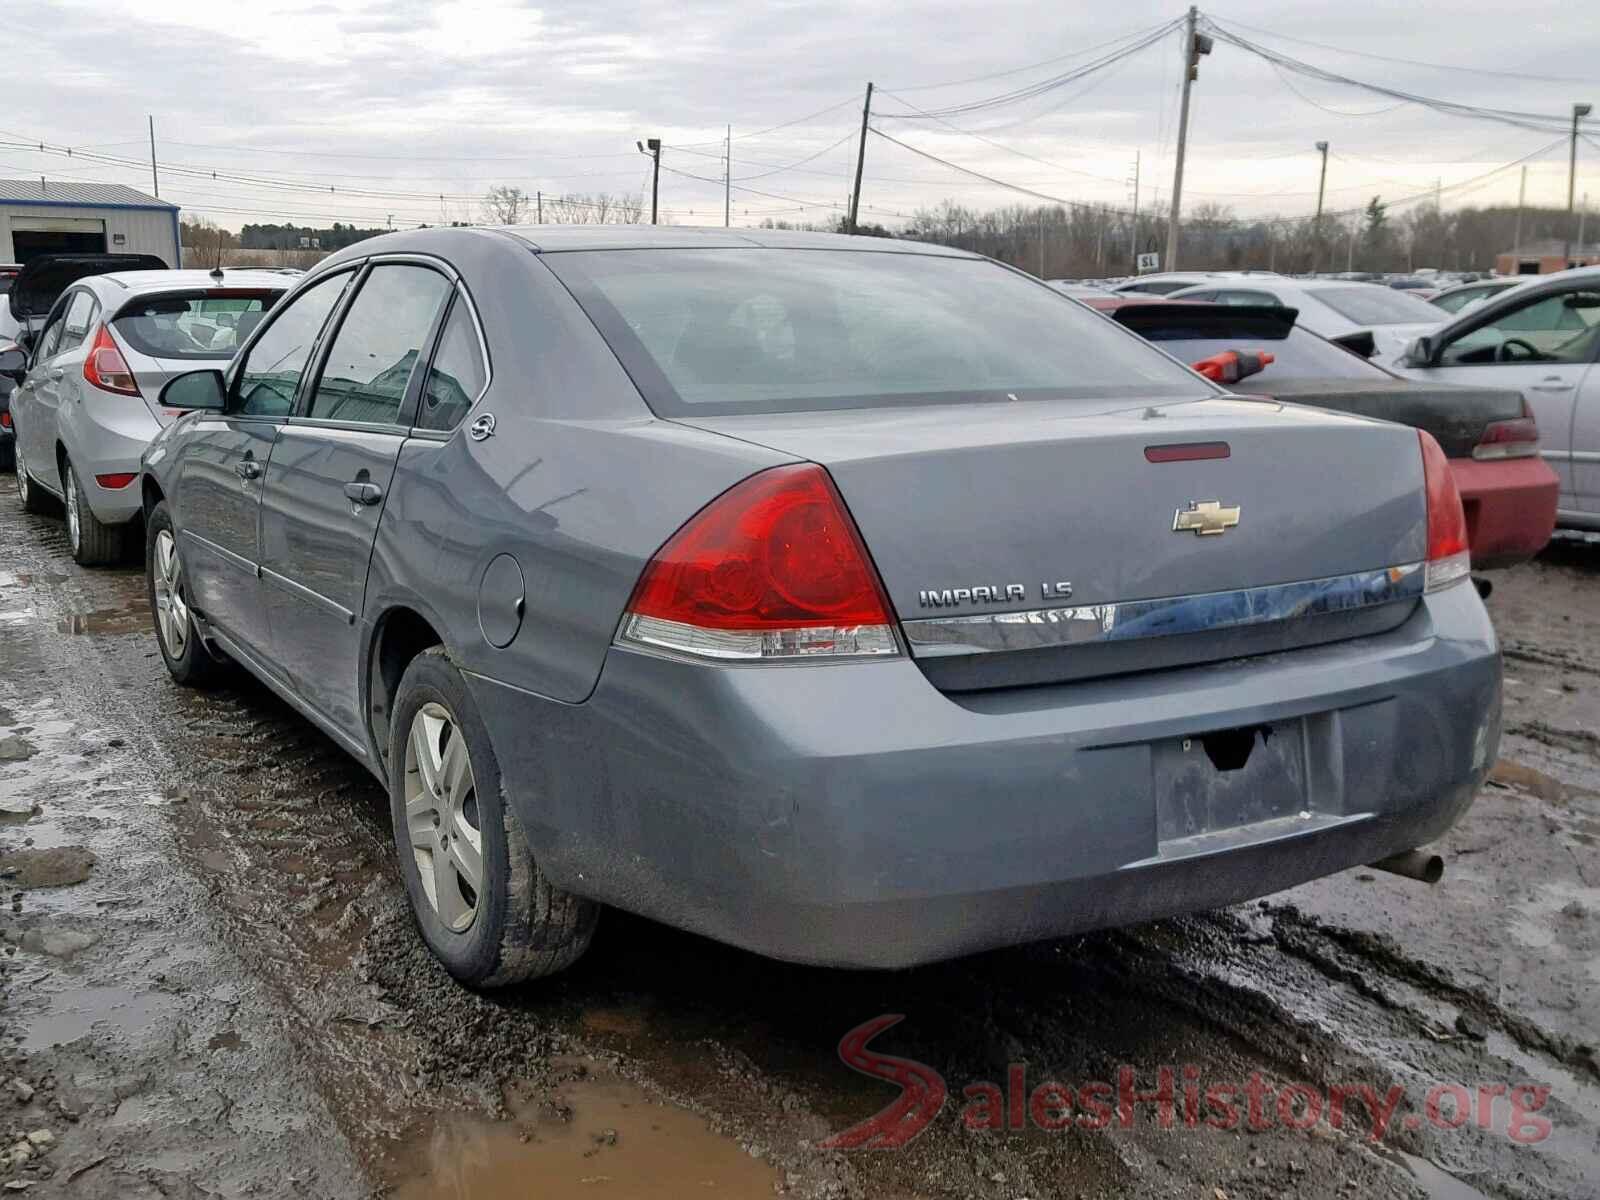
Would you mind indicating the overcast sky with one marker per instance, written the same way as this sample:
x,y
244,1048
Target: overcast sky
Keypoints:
x,y
445,99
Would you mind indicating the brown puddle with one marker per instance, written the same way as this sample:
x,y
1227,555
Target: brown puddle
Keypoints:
x,y
617,1144
131,619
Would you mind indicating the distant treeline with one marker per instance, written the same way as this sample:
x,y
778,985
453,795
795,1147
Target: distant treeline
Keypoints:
x,y
1089,240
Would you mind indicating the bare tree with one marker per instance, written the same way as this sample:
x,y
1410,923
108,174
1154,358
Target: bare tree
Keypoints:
x,y
503,205
204,241
599,208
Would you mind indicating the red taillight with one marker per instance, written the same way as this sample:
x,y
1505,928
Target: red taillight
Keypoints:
x,y
5,420
120,479
771,569
105,367
1448,560
1517,438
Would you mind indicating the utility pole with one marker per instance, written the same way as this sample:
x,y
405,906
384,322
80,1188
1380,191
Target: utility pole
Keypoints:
x,y
1133,238
1041,237
1316,226
155,180
1350,262
1194,46
727,180
1579,111
1583,216
538,206
652,147
861,161
1522,195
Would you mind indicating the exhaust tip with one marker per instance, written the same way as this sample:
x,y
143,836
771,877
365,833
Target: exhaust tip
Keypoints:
x,y
1420,865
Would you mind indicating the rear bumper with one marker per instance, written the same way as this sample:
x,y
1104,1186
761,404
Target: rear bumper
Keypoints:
x,y
1510,506
107,435
852,815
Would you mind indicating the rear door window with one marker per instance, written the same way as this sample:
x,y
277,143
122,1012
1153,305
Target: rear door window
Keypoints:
x,y
191,326
376,348
270,373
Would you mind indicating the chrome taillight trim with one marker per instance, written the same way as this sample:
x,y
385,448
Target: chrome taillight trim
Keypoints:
x,y
1042,628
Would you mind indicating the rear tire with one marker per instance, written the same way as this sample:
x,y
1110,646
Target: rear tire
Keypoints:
x,y
188,661
453,827
34,499
8,455
94,543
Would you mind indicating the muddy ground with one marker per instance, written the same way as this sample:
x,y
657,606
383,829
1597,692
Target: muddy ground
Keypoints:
x,y
211,986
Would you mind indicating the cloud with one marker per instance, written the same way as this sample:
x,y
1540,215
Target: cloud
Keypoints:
x,y
442,99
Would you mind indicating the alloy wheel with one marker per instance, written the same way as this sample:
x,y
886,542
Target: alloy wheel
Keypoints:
x,y
442,816
172,611
23,482
74,529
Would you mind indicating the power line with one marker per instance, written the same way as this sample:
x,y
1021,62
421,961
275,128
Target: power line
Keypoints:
x,y
1040,87
1014,187
1538,122
927,87
1410,62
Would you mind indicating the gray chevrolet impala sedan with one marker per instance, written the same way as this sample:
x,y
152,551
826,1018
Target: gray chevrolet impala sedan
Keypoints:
x,y
855,601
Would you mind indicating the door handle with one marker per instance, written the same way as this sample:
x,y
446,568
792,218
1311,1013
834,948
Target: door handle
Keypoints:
x,y
362,491
1551,383
247,468
57,373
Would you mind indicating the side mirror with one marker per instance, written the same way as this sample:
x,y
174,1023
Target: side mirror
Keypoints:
x,y
1418,353
25,339
1362,343
195,390
13,363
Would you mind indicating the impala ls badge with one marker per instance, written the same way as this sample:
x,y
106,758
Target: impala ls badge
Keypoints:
x,y
1205,517
481,428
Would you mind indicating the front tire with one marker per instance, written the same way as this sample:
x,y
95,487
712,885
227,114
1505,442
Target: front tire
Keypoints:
x,y
94,543
188,661
480,901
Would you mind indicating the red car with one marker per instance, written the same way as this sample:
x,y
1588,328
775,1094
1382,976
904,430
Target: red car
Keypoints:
x,y
1488,434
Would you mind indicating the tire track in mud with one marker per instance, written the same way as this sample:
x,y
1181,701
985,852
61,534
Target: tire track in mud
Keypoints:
x,y
291,839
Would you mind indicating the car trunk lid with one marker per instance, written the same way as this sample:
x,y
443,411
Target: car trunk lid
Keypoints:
x,y
975,510
39,284
1457,417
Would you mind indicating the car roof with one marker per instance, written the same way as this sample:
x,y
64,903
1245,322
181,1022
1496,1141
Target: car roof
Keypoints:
x,y
139,282
552,239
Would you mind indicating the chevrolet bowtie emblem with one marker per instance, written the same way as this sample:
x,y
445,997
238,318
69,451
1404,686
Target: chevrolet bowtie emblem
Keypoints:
x,y
1205,517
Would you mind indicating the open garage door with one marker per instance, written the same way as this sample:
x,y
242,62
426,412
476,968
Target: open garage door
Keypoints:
x,y
33,236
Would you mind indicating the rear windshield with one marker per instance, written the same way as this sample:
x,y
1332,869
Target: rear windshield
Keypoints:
x,y
785,330
1301,355
1371,304
192,325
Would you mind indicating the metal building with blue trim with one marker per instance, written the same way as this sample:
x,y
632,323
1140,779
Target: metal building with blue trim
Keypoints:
x,y
42,216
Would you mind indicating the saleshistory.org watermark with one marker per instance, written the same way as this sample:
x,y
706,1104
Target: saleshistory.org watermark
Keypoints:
x,y
1177,1096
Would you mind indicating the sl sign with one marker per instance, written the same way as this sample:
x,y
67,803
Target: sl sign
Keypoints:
x,y
1148,262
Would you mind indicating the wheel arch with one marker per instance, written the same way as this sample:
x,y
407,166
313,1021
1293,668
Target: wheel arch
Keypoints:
x,y
401,631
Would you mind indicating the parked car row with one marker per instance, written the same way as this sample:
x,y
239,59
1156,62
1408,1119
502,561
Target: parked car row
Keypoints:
x,y
857,602
104,333
1488,433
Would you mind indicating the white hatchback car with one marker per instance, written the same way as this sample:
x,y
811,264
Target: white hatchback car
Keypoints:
x,y
88,407
1335,308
